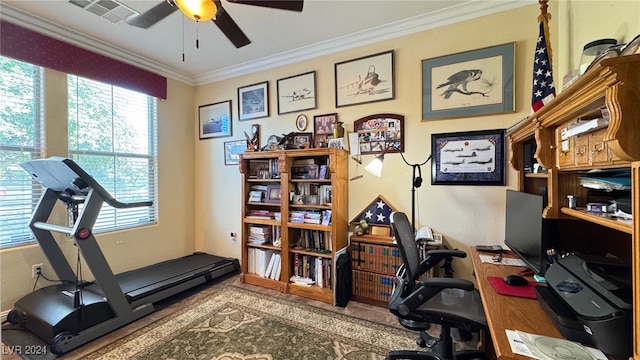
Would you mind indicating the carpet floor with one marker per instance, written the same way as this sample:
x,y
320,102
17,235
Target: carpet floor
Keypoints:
x,y
230,320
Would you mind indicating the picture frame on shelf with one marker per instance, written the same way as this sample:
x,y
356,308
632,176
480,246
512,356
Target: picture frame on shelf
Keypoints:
x,y
323,126
273,194
469,158
253,101
215,120
301,140
380,133
365,80
471,83
232,151
296,93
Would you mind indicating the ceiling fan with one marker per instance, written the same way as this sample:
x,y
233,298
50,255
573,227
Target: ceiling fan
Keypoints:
x,y
220,17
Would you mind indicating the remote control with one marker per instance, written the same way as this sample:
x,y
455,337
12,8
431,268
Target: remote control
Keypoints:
x,y
490,248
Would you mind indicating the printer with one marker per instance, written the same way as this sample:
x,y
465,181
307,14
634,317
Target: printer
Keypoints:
x,y
590,301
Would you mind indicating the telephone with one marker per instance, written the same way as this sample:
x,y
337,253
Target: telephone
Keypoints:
x,y
425,233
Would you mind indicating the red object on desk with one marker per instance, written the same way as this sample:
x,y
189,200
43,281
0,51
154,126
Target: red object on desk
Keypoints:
x,y
527,291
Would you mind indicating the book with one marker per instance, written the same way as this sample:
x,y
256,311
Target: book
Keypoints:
x,y
262,261
270,266
276,266
326,217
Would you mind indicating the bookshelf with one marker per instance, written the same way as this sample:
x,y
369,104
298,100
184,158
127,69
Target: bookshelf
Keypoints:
x,y
294,206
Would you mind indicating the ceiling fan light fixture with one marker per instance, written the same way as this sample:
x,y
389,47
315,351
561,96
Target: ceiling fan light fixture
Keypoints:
x,y
198,10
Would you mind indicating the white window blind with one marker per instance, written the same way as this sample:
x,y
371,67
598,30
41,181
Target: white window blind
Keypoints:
x,y
113,137
21,139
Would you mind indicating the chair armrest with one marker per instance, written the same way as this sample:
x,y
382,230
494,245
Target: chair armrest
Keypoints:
x,y
428,288
434,257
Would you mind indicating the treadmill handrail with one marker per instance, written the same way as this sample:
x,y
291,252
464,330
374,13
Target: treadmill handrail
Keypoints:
x,y
59,179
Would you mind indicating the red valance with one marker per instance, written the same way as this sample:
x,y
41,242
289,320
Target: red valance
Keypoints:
x,y
32,47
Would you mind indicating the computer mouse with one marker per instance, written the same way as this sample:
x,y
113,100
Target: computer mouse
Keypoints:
x,y
515,280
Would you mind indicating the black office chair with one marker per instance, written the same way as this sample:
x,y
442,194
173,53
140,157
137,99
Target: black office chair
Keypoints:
x,y
420,302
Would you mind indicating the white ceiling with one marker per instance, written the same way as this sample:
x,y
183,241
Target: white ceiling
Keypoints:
x,y
277,36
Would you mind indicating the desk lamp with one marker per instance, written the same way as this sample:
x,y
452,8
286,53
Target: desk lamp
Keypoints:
x,y
375,169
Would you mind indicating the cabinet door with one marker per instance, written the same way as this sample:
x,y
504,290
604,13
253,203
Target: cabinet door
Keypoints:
x,y
566,153
582,149
598,148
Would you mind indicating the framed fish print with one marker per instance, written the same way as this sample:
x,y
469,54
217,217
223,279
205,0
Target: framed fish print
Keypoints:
x,y
472,83
468,158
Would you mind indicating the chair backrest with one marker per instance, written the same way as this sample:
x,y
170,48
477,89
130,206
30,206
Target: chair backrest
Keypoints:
x,y
403,231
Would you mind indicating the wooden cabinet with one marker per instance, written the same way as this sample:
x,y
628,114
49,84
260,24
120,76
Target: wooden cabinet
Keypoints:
x,y
613,87
374,262
298,197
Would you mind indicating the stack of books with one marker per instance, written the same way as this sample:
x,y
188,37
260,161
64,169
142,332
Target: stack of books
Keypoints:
x,y
259,234
297,217
261,214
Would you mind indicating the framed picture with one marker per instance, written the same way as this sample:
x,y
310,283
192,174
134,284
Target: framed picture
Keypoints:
x,y
232,151
471,83
365,80
301,122
215,120
379,132
323,126
253,101
297,93
468,158
273,193
301,140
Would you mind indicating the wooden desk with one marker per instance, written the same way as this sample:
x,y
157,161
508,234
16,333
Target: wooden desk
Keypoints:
x,y
508,312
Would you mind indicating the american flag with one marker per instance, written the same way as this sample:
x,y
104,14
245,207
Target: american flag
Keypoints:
x,y
543,88
377,213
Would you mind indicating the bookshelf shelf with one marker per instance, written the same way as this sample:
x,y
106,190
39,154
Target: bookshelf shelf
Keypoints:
x,y
316,199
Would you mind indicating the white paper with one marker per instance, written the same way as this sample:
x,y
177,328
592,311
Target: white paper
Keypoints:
x,y
504,261
523,343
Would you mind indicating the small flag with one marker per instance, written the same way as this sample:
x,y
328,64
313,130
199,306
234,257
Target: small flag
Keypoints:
x,y
543,87
377,213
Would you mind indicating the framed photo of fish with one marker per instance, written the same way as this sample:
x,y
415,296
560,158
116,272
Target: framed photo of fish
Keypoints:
x,y
471,83
365,80
468,158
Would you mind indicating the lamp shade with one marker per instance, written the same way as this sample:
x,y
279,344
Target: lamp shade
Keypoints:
x,y
198,10
375,166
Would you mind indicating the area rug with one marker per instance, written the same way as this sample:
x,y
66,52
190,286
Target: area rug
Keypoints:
x,y
240,324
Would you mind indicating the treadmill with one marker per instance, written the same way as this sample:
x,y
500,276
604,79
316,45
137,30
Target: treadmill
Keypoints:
x,y
73,313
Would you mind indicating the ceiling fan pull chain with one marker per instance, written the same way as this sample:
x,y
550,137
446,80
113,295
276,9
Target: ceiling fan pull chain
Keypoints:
x,y
183,39
197,35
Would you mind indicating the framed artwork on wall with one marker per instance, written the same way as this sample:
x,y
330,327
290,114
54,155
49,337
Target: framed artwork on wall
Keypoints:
x,y
253,101
232,151
379,132
215,120
468,158
297,93
470,83
365,80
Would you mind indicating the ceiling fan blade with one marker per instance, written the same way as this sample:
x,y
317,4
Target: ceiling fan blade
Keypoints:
x,y
230,28
152,16
293,5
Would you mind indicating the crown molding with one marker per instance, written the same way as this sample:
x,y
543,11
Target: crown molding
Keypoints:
x,y
451,15
46,27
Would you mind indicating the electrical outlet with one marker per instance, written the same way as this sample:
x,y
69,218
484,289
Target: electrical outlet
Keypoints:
x,y
36,270
232,237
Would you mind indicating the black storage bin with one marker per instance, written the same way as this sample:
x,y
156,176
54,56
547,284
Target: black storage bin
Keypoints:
x,y
343,279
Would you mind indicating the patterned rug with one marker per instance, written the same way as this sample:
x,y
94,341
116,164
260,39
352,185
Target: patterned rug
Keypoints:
x,y
239,324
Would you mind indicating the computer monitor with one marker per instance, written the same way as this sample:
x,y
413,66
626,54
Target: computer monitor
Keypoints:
x,y
527,234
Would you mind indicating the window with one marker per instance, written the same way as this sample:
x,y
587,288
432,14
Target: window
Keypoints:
x,y
21,139
112,136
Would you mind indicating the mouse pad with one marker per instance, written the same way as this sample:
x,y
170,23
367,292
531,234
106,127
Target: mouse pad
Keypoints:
x,y
527,291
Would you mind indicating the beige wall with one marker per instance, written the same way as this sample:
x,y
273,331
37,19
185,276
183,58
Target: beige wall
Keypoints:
x,y
200,197
464,214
